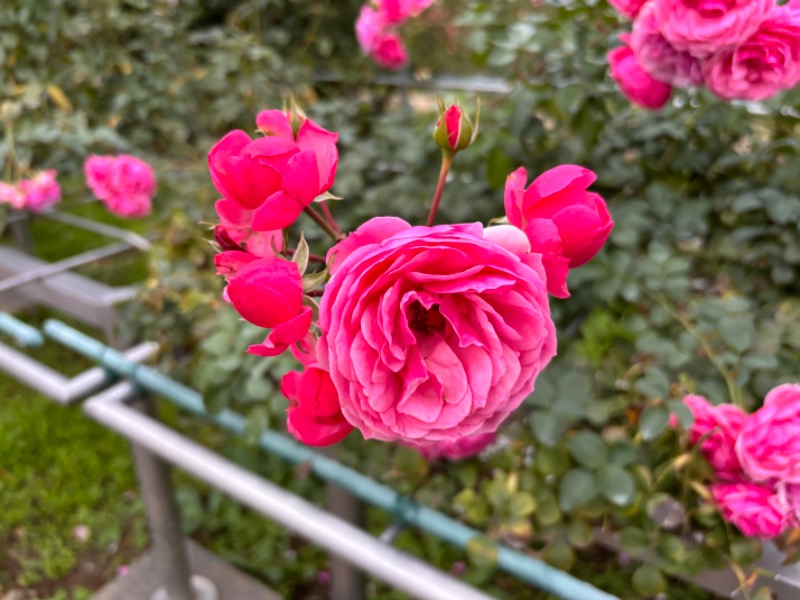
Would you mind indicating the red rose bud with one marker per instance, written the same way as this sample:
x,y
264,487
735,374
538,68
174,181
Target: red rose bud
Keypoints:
x,y
454,131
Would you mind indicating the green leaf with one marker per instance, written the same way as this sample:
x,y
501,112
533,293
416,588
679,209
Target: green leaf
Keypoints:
x,y
548,426
522,504
588,448
737,332
579,533
551,461
576,487
633,540
653,421
648,581
616,484
559,554
482,551
312,281
301,255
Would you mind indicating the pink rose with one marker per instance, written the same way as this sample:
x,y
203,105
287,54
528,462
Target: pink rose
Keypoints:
x,y
397,11
11,195
768,446
390,53
314,416
636,83
658,57
564,222
718,427
704,27
126,184
268,182
629,8
268,292
432,333
756,510
41,191
377,38
764,64
457,449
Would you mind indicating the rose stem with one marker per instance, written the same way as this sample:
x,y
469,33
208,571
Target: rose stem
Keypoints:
x,y
331,221
311,257
317,218
437,196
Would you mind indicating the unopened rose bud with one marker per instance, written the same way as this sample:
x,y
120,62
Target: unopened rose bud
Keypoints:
x,y
454,131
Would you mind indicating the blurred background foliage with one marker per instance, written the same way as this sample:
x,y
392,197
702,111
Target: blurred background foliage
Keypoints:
x,y
696,290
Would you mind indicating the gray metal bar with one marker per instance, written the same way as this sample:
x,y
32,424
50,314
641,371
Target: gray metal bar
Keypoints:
x,y
72,262
347,581
461,83
53,384
389,564
21,230
124,235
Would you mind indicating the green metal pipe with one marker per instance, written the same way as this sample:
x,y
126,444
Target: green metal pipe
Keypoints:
x,y
22,332
524,567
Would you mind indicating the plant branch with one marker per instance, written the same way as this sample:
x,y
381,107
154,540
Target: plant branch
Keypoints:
x,y
447,161
329,216
319,220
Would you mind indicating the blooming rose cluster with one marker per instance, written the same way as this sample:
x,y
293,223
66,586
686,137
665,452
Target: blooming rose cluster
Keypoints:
x,y
426,335
756,459
377,29
124,183
739,49
35,194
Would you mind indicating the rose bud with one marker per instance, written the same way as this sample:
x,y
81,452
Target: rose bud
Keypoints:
x,y
453,130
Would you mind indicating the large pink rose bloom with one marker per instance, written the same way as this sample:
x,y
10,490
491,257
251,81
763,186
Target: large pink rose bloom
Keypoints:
x,y
756,510
717,427
658,57
433,333
125,184
266,183
704,27
41,191
564,222
768,446
636,83
764,64
629,8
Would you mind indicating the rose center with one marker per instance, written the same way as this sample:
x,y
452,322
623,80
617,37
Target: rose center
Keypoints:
x,y
425,320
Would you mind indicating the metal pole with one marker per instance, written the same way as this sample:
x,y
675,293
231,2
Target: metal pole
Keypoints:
x,y
124,235
522,566
21,230
22,332
163,517
397,568
63,265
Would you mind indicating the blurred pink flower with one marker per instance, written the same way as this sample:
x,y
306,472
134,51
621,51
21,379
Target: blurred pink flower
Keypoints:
x,y
634,81
756,510
125,184
718,427
41,191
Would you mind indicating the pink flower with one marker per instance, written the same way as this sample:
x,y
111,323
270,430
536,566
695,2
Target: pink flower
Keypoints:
x,y
636,83
564,222
458,449
717,427
629,8
41,192
377,38
126,184
704,27
768,446
11,195
764,64
268,182
397,11
432,333
658,57
453,130
268,292
756,510
315,417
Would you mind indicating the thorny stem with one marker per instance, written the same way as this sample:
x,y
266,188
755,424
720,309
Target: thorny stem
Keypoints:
x,y
447,161
331,221
317,218
733,391
312,257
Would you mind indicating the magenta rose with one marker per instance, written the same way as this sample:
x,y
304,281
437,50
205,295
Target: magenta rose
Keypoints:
x,y
397,11
268,292
377,38
314,415
756,510
458,449
629,8
718,427
768,445
764,64
658,57
564,222
266,183
10,194
124,183
705,27
433,333
41,191
636,83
